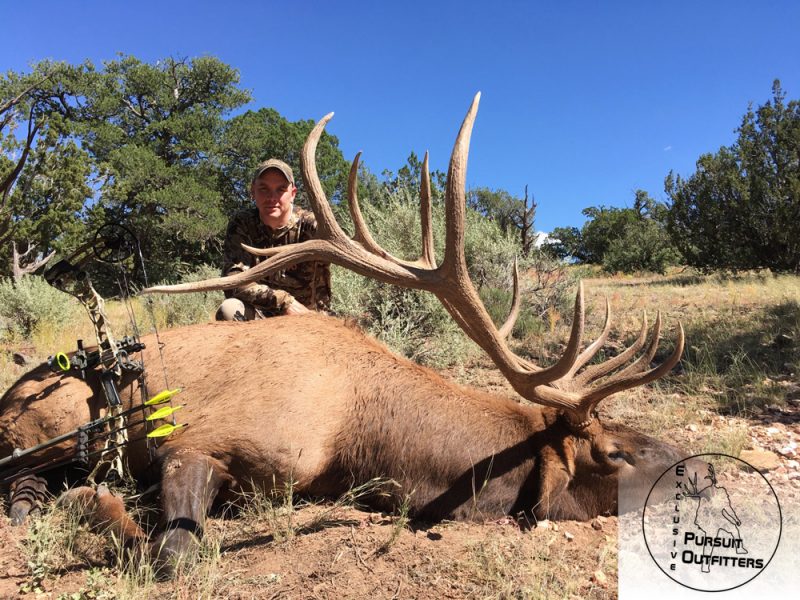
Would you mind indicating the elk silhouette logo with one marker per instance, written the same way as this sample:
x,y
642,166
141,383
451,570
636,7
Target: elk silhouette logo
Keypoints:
x,y
712,532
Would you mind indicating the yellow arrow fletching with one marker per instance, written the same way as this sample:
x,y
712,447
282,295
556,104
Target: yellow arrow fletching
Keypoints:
x,y
163,412
164,430
162,397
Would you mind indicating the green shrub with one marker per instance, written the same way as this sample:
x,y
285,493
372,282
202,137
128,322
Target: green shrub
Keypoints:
x,y
414,323
172,310
31,303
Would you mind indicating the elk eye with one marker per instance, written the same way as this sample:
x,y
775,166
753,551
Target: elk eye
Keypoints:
x,y
621,455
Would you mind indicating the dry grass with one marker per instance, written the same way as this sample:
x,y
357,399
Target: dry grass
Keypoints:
x,y
742,334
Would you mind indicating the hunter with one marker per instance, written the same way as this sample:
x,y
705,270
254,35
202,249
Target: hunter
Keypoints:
x,y
273,221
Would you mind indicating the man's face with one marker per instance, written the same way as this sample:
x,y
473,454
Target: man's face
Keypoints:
x,y
274,196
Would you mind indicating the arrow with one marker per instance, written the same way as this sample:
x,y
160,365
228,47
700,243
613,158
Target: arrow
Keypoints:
x,y
165,430
162,397
162,413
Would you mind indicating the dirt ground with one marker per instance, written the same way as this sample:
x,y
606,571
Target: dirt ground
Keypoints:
x,y
354,556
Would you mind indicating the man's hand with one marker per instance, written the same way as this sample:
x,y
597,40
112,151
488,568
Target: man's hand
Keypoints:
x,y
295,308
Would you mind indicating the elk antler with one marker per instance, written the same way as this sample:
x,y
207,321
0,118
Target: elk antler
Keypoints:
x,y
559,386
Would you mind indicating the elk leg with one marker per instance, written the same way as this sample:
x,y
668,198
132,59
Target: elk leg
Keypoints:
x,y
190,482
28,493
554,501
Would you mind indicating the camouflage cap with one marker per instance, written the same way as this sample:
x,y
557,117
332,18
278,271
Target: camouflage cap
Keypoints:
x,y
274,163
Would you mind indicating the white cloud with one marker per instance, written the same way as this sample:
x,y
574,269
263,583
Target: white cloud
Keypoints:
x,y
667,148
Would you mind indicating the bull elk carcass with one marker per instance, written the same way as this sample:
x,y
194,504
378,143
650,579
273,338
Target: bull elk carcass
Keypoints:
x,y
311,400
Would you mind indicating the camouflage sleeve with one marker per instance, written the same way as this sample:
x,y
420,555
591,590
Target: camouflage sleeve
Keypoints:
x,y
236,259
315,292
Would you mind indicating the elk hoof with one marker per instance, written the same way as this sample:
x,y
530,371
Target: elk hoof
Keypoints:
x,y
173,546
28,493
20,510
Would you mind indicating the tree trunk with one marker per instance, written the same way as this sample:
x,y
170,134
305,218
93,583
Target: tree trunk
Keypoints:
x,y
18,271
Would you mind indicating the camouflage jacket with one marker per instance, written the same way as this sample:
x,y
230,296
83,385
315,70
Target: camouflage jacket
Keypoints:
x,y
309,283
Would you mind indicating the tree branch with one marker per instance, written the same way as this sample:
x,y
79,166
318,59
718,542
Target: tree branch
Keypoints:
x,y
17,270
5,185
14,101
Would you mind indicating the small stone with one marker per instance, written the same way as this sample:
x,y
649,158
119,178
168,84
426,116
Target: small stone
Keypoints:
x,y
761,460
782,340
596,524
793,464
600,578
692,427
543,524
569,536
20,359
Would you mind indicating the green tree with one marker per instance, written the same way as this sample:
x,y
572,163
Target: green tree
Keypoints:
x,y
512,214
45,173
406,181
620,239
566,242
497,205
741,208
153,135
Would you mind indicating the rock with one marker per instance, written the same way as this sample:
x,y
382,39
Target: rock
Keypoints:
x,y
569,536
596,524
21,359
543,524
761,460
789,450
692,427
600,578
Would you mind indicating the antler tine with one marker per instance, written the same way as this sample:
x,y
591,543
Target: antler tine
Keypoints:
x,y
327,227
591,398
364,237
261,251
361,234
643,362
455,197
428,258
564,364
596,371
595,346
513,314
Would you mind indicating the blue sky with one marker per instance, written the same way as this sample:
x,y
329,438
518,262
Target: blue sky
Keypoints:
x,y
583,101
